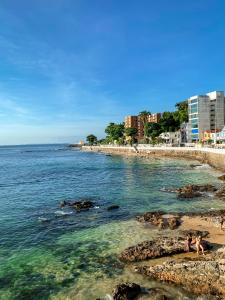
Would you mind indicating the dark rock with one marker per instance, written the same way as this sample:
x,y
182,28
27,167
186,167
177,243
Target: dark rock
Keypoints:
x,y
221,193
113,207
197,276
193,232
222,177
78,205
126,291
158,247
192,190
195,165
160,219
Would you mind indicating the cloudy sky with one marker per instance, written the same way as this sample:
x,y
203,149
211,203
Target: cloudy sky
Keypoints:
x,y
69,67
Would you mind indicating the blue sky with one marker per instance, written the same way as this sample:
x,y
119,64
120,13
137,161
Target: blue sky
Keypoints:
x,y
68,67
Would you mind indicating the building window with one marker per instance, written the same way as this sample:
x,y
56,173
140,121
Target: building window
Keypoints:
x,y
194,108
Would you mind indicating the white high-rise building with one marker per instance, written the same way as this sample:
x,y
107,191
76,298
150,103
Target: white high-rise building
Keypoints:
x,y
206,112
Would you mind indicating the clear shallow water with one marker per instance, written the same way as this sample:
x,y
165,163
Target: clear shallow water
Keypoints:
x,y
74,256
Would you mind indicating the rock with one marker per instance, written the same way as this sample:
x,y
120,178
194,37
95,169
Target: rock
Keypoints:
x,y
126,291
222,177
192,190
160,219
158,247
193,232
195,165
155,294
78,205
197,276
113,207
221,193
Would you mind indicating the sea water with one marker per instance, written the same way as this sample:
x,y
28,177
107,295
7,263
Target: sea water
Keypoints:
x,y
47,252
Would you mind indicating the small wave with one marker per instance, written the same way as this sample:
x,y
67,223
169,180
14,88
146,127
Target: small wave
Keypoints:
x,y
108,297
96,207
63,213
43,220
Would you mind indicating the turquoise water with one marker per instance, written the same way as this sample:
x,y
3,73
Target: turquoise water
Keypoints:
x,y
74,255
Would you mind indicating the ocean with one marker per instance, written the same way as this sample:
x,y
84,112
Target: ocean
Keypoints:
x,y
48,252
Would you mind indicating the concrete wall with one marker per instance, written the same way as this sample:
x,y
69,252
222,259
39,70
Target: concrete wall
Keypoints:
x,y
214,157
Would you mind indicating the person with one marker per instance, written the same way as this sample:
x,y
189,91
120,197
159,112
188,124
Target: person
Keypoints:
x,y
221,222
199,245
188,243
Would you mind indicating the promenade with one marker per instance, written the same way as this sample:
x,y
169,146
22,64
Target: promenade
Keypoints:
x,y
212,156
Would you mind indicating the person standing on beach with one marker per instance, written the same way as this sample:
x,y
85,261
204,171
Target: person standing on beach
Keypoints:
x,y
188,243
199,245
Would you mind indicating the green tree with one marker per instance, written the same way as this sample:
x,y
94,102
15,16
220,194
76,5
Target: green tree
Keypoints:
x,y
153,130
169,122
131,133
91,139
115,132
181,113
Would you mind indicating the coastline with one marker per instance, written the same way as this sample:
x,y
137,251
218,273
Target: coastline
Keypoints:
x,y
214,157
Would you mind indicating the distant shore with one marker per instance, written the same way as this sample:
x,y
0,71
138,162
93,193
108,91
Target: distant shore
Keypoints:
x,y
213,157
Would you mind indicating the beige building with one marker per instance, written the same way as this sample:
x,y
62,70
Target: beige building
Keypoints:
x,y
136,122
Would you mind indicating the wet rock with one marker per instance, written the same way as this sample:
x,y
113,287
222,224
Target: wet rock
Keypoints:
x,y
193,232
160,219
158,247
78,205
222,177
126,291
221,193
113,207
197,276
195,165
193,191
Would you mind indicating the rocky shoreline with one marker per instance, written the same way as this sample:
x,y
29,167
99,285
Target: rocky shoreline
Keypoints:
x,y
198,274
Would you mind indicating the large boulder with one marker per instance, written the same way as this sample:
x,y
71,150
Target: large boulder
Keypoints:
x,y
158,247
197,276
126,291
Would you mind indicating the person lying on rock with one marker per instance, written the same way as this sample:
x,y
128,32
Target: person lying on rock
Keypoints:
x,y
199,245
187,245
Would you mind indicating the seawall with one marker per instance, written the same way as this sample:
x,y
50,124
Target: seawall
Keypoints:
x,y
213,157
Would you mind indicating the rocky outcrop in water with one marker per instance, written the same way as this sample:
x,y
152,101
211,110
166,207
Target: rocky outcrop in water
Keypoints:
x,y
152,249
78,205
202,276
160,219
192,190
126,291
221,193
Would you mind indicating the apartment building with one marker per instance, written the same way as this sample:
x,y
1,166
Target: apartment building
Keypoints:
x,y
206,112
136,122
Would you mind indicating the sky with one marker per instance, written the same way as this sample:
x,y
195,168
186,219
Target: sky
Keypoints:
x,y
69,67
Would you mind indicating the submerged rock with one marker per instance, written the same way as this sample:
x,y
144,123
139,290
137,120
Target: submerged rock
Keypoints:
x,y
160,219
113,207
152,249
197,276
126,291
